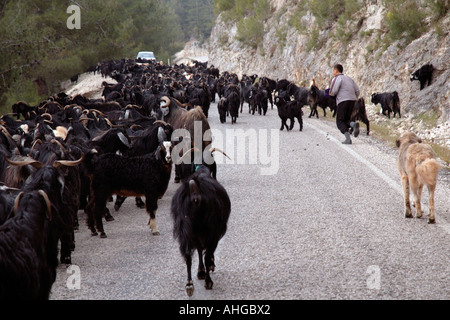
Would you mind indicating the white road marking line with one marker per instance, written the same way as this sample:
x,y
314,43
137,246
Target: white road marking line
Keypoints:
x,y
441,222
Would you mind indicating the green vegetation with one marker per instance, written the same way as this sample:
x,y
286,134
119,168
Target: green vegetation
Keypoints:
x,y
250,31
37,46
249,16
326,13
404,19
196,17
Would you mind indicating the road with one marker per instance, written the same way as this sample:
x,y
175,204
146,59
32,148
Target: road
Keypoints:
x,y
328,224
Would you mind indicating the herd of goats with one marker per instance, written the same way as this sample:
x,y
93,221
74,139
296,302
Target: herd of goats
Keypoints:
x,y
71,153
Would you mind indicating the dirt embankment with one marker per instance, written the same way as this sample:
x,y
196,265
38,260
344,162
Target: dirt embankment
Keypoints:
x,y
88,85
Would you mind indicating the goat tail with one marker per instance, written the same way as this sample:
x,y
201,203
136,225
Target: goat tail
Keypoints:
x,y
427,171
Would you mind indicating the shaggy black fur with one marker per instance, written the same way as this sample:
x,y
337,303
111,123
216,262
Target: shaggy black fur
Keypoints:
x,y
200,210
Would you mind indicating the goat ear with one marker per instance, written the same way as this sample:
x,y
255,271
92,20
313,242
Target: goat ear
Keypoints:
x,y
161,135
123,139
158,153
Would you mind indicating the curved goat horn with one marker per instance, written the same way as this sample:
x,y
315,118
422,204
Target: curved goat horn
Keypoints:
x,y
48,203
181,160
21,163
161,121
68,163
54,141
17,201
217,149
166,100
49,115
38,141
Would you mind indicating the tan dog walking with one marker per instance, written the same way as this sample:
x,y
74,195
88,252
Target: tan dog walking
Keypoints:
x,y
418,166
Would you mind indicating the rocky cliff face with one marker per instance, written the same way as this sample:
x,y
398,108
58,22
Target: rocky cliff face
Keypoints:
x,y
375,68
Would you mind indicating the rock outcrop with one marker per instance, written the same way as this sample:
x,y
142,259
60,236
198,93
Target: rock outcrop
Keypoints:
x,y
374,67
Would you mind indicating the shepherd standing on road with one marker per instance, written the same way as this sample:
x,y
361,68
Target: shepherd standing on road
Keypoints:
x,y
346,92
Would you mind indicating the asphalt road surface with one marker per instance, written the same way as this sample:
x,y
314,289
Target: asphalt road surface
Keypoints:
x,y
310,219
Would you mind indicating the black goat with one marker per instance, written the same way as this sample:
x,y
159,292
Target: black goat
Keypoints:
x,y
258,100
27,268
246,87
318,98
110,174
300,94
233,100
222,107
62,186
147,141
390,102
289,110
359,113
423,74
180,118
200,209
7,196
22,108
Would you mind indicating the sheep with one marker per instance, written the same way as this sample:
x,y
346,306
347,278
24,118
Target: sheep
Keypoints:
x,y
200,210
390,102
289,110
110,174
423,74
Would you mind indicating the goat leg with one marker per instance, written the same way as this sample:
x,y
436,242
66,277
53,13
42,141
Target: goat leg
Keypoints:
x,y
67,240
291,126
201,274
119,201
100,205
189,283
139,203
209,261
90,217
151,209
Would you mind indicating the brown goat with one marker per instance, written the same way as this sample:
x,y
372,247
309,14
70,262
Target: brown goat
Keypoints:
x,y
180,118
